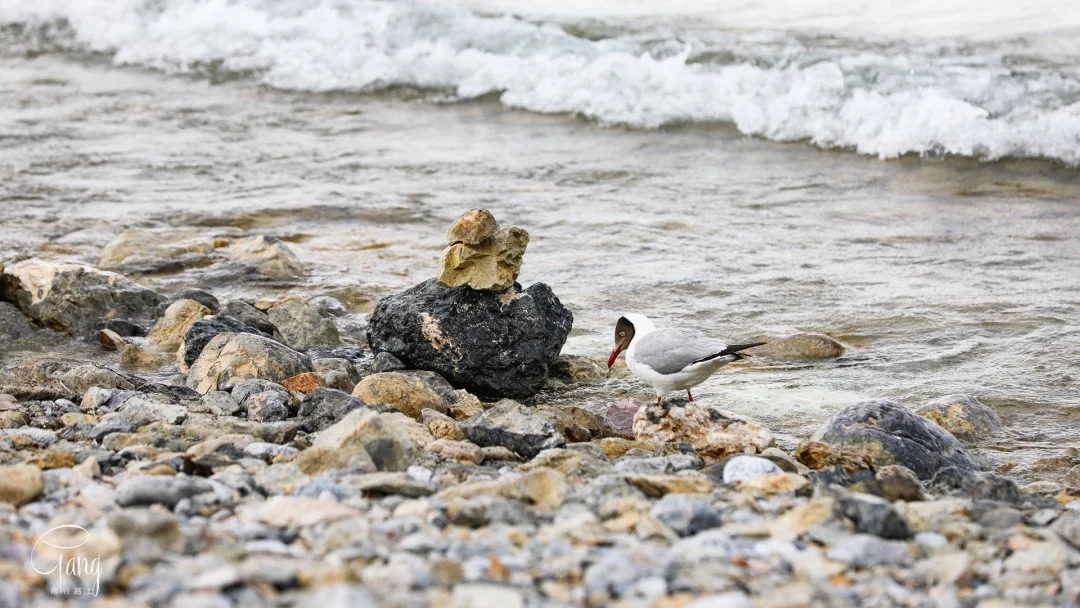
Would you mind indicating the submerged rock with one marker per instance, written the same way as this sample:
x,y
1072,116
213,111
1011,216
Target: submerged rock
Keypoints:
x,y
800,346
512,425
302,327
713,432
167,250
963,416
230,359
890,434
494,345
268,254
72,298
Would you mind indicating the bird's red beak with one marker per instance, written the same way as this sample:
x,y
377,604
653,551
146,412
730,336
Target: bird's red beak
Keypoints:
x,y
614,355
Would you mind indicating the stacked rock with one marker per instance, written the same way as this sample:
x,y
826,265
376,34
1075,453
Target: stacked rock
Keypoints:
x,y
481,255
474,324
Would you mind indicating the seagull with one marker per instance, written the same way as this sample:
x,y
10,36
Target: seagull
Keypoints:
x,y
670,359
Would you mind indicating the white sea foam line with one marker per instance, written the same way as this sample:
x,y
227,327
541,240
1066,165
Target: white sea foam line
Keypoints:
x,y
971,106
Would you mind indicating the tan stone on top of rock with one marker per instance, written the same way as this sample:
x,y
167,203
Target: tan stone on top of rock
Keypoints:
x,y
20,484
171,328
492,263
713,432
963,416
473,227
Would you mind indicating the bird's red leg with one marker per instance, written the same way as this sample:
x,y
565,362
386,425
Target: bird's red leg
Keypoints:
x,y
691,397
659,399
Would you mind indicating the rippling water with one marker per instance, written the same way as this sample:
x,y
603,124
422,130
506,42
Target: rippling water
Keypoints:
x,y
941,275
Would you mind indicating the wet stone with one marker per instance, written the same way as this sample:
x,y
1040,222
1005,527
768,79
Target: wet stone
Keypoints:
x,y
964,416
302,326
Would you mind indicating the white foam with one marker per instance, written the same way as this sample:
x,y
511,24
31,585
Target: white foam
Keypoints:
x,y
903,97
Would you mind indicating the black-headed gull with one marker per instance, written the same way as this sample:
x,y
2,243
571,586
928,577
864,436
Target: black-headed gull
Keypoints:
x,y
671,359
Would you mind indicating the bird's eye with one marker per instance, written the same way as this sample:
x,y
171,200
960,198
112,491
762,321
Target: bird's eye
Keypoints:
x,y
622,334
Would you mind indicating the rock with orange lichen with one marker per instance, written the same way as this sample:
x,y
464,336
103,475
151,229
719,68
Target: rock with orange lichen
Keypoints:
x,y
713,432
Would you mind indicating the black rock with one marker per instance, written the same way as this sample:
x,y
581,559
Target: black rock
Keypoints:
x,y
323,407
249,315
205,329
873,515
495,345
385,362
122,327
522,429
205,298
893,435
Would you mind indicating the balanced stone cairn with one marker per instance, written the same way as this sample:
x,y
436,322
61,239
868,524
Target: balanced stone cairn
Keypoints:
x,y
474,324
481,255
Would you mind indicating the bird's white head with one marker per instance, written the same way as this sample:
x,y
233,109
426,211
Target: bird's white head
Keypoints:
x,y
629,327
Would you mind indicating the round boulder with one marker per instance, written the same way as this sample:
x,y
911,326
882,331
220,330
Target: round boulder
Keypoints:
x,y
890,434
230,359
492,344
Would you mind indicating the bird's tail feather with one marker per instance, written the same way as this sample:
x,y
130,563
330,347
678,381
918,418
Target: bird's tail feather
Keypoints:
x,y
732,350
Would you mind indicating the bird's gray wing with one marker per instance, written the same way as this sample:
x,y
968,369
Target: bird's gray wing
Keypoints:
x,y
669,350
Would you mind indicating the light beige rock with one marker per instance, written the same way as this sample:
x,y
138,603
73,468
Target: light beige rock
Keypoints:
x,y
713,432
284,511
110,340
543,487
20,484
491,263
269,254
801,519
229,359
409,392
156,248
656,486
462,451
315,460
171,328
441,425
133,357
964,416
473,227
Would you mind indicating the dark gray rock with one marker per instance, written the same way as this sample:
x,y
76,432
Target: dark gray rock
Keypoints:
x,y
206,329
325,406
114,425
385,362
495,345
338,373
71,297
13,324
220,403
203,297
264,401
515,426
249,315
891,434
963,416
302,327
867,551
685,514
873,515
157,489
122,327
988,486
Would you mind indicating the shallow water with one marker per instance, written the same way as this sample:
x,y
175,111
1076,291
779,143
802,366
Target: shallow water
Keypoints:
x,y
941,276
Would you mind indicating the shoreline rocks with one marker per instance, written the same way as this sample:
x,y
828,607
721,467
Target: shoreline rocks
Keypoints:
x,y
232,358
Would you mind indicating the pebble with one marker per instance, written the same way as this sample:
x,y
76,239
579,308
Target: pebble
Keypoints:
x,y
685,514
161,490
745,468
866,551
